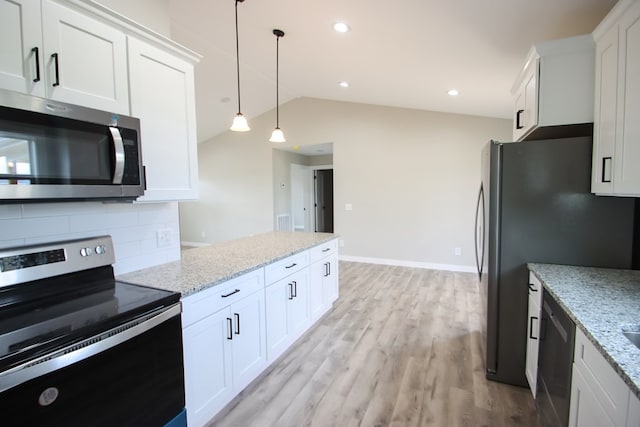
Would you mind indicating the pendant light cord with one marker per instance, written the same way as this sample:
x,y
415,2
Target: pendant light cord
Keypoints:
x,y
277,82
238,56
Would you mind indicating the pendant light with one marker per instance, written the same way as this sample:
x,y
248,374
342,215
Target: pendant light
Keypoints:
x,y
239,121
277,135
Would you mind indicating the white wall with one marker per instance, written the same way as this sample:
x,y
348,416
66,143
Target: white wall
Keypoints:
x,y
132,226
153,14
411,176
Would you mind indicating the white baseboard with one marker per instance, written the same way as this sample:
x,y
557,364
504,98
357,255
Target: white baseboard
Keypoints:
x,y
414,264
195,244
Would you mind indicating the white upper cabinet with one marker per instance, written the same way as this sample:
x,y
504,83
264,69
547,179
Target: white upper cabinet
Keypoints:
x,y
555,86
163,98
616,149
21,47
85,60
53,51
82,53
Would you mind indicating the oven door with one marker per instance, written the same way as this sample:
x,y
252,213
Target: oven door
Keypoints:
x,y
51,150
129,376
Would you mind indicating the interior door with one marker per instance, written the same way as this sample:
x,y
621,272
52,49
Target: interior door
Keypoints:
x,y
324,200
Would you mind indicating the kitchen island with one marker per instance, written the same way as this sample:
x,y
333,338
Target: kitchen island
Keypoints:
x,y
204,267
244,303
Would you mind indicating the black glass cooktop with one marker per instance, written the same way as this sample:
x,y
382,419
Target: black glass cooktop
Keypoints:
x,y
39,318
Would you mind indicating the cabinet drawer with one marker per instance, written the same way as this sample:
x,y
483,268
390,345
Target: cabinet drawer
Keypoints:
x,y
609,389
535,288
208,301
323,250
283,268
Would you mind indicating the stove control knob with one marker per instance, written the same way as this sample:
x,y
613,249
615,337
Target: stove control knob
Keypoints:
x,y
86,251
100,249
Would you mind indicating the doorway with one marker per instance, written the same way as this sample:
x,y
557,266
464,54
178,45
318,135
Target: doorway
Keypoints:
x,y
323,200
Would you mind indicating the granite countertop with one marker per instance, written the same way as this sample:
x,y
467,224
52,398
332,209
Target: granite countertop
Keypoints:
x,y
201,268
601,302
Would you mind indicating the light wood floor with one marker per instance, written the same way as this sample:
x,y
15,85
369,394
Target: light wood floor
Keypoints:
x,y
401,347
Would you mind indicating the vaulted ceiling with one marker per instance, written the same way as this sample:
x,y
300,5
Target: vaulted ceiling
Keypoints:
x,y
405,53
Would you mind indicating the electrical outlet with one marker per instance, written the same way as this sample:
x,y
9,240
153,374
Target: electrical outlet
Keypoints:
x,y
163,237
341,241
458,251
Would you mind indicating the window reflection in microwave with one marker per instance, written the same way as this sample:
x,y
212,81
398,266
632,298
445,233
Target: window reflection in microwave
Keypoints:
x,y
15,161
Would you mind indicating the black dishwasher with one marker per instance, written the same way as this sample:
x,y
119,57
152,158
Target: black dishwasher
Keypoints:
x,y
555,361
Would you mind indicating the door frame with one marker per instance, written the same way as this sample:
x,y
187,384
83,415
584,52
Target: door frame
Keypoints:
x,y
309,195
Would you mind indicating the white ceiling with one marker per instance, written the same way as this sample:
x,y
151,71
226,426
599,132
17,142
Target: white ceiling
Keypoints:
x,y
404,53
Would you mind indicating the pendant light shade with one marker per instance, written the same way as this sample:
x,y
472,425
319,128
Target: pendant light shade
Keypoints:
x,y
239,121
277,135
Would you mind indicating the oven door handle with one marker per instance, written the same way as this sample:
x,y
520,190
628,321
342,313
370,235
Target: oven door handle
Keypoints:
x,y
86,348
118,152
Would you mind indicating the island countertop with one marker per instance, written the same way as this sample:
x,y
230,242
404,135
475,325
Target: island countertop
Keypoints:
x,y
201,268
601,302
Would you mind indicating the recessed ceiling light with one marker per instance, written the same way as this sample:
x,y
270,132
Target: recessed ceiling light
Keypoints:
x,y
453,92
341,27
344,84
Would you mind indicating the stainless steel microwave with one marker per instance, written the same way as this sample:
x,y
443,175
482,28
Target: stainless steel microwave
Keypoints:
x,y
53,151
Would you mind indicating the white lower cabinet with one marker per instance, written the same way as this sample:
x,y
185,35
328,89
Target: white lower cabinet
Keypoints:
x,y
323,278
207,366
533,332
287,312
324,285
224,350
599,397
234,330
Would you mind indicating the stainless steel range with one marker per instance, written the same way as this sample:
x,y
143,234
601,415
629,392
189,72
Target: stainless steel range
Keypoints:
x,y
78,347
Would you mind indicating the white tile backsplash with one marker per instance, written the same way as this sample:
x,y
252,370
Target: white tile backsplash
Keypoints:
x,y
132,226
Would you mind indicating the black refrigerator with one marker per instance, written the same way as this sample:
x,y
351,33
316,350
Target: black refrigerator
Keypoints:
x,y
535,205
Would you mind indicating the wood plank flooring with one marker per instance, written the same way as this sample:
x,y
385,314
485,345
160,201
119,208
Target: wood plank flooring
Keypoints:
x,y
401,347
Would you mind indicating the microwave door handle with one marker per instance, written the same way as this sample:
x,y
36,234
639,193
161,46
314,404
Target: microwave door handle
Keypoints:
x,y
118,151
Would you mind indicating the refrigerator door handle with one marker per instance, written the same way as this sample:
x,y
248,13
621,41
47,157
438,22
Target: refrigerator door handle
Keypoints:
x,y
477,237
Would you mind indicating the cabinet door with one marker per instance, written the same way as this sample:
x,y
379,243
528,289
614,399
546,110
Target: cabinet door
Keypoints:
x,y
21,47
532,342
299,306
526,102
627,159
91,64
249,355
604,126
531,97
162,97
330,281
278,296
586,409
607,387
518,119
207,367
317,272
